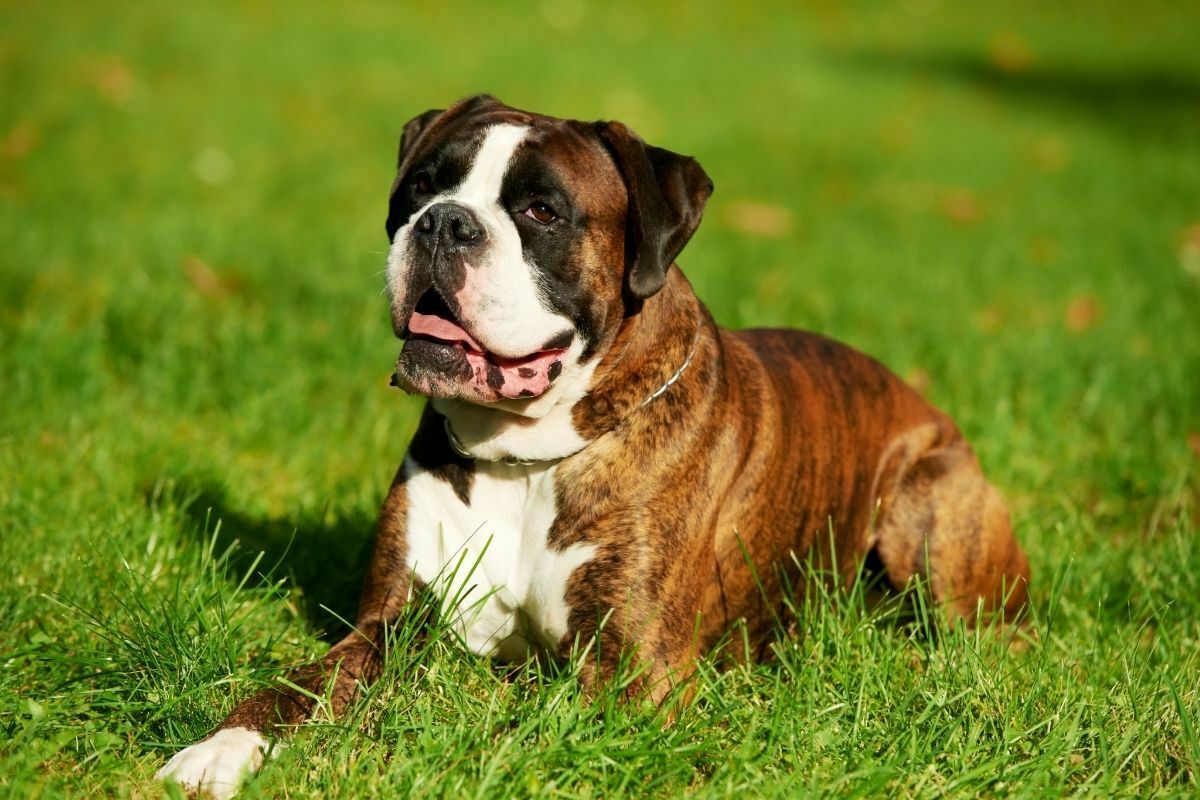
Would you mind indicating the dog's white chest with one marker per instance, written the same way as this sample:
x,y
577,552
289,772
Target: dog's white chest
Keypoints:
x,y
502,587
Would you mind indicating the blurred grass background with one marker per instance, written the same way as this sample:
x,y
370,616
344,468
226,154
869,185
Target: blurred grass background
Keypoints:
x,y
1001,204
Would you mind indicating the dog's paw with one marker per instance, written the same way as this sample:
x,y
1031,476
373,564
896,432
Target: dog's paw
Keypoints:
x,y
217,764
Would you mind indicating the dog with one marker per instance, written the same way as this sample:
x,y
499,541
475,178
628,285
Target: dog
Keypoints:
x,y
596,452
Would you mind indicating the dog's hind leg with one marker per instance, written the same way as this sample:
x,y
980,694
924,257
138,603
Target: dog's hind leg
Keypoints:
x,y
941,520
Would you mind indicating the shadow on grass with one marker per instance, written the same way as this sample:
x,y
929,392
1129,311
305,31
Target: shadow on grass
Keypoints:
x,y
324,555
1136,99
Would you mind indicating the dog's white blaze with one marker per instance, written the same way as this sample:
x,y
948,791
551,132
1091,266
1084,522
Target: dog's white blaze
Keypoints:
x,y
218,764
481,188
500,299
501,585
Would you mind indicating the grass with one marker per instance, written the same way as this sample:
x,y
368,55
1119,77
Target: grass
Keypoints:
x,y
196,431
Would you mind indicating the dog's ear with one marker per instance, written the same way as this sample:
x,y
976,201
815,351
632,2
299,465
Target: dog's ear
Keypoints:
x,y
412,134
416,127
667,193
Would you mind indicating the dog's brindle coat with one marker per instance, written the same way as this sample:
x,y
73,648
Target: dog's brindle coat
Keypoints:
x,y
674,473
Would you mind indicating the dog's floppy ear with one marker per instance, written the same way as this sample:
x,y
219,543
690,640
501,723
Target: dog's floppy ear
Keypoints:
x,y
416,127
667,193
413,130
412,134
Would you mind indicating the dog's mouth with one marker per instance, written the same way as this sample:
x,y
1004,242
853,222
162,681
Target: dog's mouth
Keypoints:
x,y
435,341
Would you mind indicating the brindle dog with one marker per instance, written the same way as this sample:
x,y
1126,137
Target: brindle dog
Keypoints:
x,y
598,448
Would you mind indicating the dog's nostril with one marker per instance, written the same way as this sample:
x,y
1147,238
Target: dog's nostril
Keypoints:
x,y
425,223
463,230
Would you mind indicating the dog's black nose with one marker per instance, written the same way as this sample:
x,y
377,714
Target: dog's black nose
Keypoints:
x,y
449,224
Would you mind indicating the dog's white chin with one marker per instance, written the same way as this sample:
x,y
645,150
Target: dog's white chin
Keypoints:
x,y
218,764
539,429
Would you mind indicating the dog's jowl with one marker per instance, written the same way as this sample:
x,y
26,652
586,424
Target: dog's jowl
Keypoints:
x,y
595,448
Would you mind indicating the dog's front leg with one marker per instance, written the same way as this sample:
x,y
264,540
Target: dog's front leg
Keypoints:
x,y
217,764
647,640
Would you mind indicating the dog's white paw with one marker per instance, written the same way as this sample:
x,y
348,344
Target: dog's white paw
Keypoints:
x,y
217,764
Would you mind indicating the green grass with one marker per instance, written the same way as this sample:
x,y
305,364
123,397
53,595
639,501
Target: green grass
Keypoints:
x,y
194,357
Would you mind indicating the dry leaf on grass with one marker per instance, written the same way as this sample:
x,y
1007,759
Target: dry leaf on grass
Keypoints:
x,y
960,206
758,218
918,379
205,280
989,319
20,141
1189,249
114,80
1082,313
1009,52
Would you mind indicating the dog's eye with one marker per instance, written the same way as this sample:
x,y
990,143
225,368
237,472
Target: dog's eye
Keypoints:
x,y
542,213
423,184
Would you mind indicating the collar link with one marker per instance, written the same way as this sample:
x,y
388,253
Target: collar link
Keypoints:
x,y
458,447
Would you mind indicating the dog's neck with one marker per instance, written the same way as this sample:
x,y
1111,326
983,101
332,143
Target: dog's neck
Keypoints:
x,y
650,351
653,349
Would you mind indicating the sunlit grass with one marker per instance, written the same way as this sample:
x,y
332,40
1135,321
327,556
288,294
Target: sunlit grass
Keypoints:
x,y
196,429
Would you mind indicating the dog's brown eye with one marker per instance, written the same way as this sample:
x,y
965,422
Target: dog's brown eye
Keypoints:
x,y
541,213
423,184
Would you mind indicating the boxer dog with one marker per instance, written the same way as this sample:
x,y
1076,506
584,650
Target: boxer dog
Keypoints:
x,y
596,452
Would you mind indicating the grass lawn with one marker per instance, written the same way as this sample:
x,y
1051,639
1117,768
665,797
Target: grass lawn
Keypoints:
x,y
196,429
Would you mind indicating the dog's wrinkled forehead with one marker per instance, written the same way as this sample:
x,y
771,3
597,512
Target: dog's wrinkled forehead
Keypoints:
x,y
514,154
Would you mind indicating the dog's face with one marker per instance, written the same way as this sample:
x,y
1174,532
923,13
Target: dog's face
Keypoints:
x,y
520,242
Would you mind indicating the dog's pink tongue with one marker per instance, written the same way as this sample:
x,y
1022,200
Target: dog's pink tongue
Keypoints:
x,y
514,378
440,328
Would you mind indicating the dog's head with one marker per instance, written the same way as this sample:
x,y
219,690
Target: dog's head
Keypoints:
x,y
519,243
